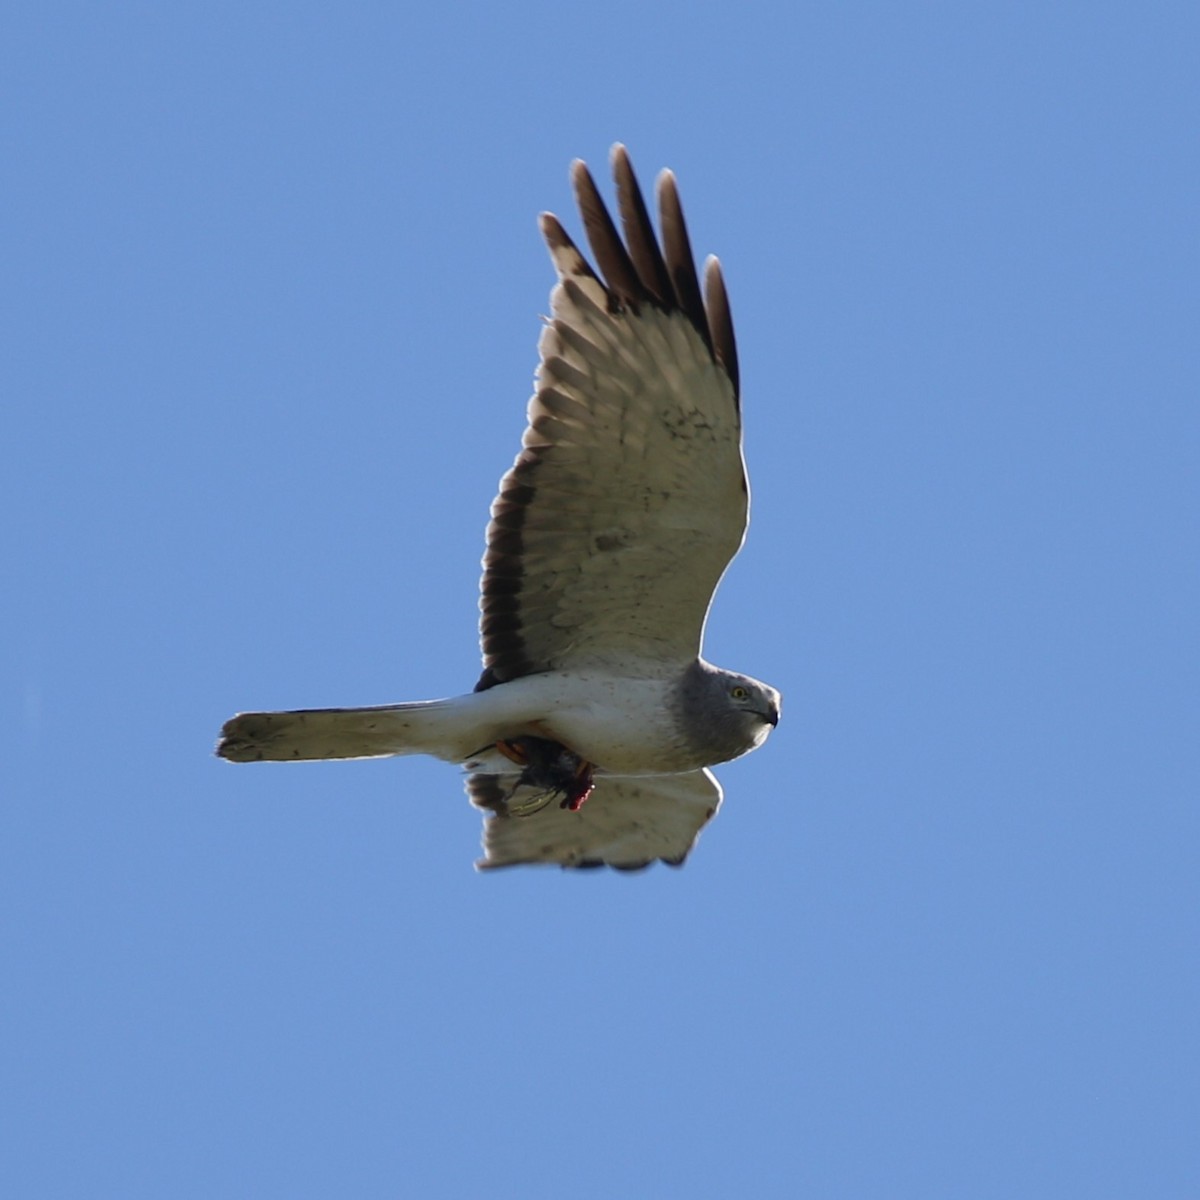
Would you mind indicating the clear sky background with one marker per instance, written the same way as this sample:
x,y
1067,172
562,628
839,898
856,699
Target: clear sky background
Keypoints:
x,y
271,294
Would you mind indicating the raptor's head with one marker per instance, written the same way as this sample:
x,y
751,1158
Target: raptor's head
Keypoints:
x,y
726,714
755,704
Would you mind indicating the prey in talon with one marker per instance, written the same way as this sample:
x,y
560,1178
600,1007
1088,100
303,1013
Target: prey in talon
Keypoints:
x,y
551,766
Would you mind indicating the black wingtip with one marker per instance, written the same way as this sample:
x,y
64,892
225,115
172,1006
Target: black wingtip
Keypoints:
x,y
639,232
677,251
611,256
641,267
720,320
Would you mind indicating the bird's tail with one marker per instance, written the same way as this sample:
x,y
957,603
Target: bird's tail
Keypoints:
x,y
419,728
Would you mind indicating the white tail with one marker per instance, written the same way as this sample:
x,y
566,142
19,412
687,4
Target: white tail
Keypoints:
x,y
419,728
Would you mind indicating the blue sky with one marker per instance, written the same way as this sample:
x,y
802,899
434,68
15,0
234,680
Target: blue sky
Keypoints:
x,y
271,292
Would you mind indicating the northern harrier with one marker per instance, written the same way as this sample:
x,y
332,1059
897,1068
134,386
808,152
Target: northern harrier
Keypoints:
x,y
589,733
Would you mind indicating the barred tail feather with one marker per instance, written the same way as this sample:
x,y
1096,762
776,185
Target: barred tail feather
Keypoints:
x,y
315,733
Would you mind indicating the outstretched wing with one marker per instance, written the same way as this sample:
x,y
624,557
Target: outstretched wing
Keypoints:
x,y
629,498
626,823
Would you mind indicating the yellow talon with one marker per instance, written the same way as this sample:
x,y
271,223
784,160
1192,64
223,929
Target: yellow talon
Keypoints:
x,y
514,752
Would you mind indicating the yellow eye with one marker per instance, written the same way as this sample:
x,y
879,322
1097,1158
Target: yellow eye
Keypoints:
x,y
739,692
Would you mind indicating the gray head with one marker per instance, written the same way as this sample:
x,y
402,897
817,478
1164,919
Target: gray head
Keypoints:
x,y
725,715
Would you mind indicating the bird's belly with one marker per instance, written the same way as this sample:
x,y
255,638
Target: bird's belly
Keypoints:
x,y
624,730
622,725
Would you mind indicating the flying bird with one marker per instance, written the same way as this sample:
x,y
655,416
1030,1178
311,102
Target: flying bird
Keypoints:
x,y
589,735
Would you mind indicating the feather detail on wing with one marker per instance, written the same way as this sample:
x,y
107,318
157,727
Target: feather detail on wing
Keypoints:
x,y
626,823
629,497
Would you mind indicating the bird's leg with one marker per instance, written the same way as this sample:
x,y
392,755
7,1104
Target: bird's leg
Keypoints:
x,y
514,751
